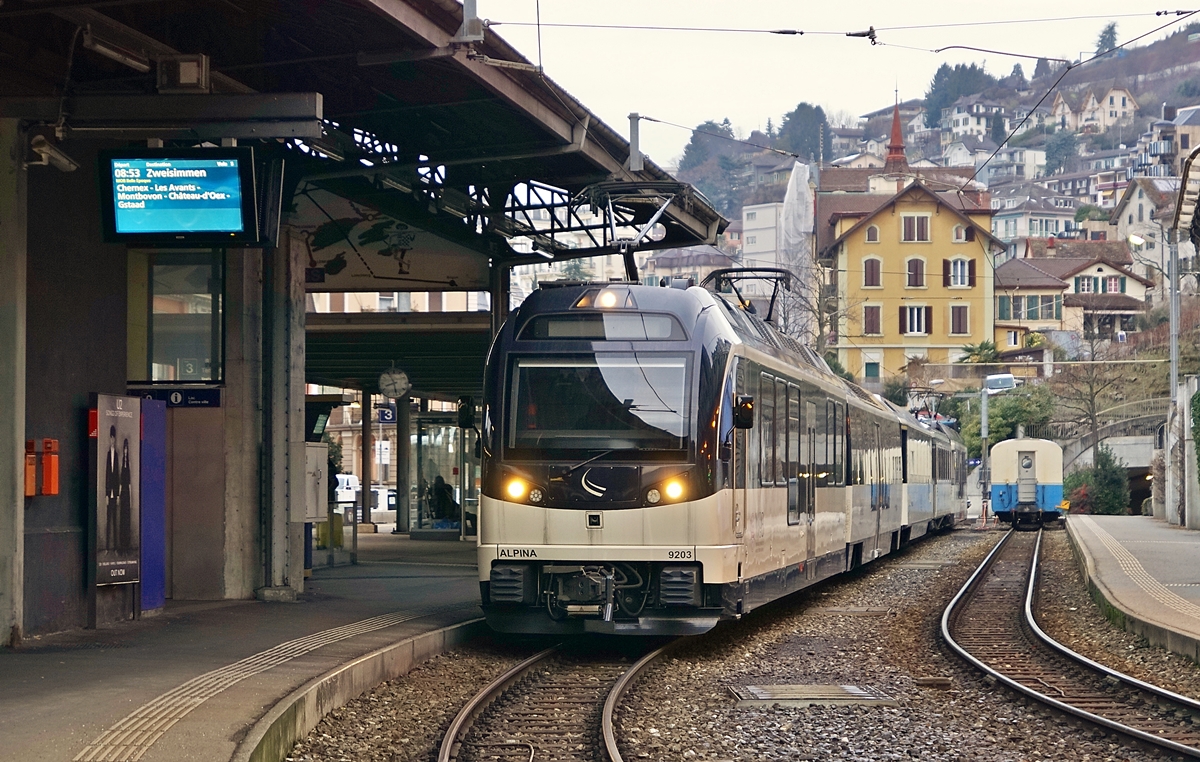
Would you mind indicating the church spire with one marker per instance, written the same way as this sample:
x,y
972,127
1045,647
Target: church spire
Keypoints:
x,y
896,161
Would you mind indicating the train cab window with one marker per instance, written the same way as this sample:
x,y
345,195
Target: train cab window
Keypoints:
x,y
781,440
766,430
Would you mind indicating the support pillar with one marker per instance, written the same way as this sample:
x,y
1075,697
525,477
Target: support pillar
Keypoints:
x,y
500,289
283,508
403,445
368,462
13,258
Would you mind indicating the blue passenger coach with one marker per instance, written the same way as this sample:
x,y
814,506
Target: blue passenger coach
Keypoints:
x,y
1027,481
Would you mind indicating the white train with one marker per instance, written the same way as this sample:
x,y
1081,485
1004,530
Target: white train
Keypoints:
x,y
659,459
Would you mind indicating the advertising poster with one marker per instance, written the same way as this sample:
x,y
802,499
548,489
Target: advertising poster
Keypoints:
x,y
118,480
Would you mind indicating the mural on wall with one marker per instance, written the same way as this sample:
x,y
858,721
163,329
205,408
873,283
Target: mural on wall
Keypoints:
x,y
353,247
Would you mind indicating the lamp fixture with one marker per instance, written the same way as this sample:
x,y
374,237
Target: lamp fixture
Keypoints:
x,y
133,59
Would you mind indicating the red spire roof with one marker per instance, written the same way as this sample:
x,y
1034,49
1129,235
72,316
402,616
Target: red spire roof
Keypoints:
x,y
896,161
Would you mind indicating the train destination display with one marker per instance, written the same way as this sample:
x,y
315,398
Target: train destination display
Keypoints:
x,y
183,195
170,195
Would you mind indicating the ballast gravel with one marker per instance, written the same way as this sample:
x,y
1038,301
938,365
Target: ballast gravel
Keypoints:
x,y
682,709
403,720
886,636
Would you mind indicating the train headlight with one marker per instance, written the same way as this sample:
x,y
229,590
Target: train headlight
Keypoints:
x,y
607,299
653,496
674,489
535,495
516,489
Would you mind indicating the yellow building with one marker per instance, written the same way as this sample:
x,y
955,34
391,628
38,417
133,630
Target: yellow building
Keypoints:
x,y
914,278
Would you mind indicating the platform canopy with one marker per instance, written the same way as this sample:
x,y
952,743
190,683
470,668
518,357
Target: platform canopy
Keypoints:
x,y
435,149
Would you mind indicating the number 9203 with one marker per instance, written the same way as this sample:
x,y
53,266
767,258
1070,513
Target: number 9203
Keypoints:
x,y
680,555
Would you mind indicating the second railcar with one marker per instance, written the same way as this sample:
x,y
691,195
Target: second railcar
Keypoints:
x,y
1027,481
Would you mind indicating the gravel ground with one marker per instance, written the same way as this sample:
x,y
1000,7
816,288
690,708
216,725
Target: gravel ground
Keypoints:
x,y
1069,616
682,709
404,719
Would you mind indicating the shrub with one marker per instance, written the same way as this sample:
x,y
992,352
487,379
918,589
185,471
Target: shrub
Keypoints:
x,y
1102,488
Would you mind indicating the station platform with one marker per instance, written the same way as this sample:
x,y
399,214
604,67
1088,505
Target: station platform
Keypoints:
x,y
1143,573
196,681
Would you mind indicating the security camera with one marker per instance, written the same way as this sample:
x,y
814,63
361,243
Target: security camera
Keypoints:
x,y
51,156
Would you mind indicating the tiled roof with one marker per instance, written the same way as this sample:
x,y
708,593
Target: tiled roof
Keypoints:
x,y
833,206
1114,252
1121,302
858,180
1021,273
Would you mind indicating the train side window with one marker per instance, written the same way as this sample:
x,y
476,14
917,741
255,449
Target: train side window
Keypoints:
x,y
839,446
781,431
740,437
821,466
794,457
766,428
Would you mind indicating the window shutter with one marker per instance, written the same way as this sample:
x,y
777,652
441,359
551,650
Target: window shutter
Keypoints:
x,y
971,273
1004,310
971,234
1095,285
929,320
945,273
1122,284
903,320
1103,285
1058,306
1077,284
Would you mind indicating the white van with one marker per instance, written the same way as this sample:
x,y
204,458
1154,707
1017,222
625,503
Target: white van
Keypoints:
x,y
347,488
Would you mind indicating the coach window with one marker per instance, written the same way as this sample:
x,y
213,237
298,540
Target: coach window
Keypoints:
x,y
178,334
766,418
839,445
781,451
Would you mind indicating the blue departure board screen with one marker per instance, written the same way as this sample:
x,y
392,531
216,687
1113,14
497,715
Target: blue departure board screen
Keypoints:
x,y
177,196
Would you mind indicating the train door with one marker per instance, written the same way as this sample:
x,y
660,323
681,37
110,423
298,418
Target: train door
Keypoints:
x,y
1026,477
808,485
879,487
740,455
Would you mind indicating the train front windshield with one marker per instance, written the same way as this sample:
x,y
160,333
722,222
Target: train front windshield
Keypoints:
x,y
571,405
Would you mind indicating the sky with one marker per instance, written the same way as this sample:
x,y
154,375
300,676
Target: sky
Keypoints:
x,y
689,77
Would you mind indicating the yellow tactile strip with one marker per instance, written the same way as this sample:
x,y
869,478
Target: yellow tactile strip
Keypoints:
x,y
133,736
1133,569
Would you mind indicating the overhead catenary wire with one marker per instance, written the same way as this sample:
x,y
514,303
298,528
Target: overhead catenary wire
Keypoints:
x,y
699,131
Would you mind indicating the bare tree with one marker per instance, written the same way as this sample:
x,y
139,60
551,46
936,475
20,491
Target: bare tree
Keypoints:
x,y
1086,387
813,304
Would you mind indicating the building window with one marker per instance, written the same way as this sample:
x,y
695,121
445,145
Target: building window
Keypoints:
x,y
960,272
1112,284
387,302
871,370
872,234
916,321
916,228
1047,307
916,273
871,321
872,277
1013,339
750,216
1184,140
1123,102
958,320
1085,285
1140,213
751,240
960,233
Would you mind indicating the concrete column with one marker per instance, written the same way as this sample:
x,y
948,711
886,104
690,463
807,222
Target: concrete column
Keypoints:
x,y
13,236
242,573
368,460
283,507
403,444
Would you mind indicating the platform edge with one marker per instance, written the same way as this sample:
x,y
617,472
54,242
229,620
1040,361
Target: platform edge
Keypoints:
x,y
276,732
1155,634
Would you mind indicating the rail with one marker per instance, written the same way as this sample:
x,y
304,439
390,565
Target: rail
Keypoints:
x,y
1168,702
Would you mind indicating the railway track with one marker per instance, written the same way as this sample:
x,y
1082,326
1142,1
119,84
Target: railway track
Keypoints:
x,y
557,705
990,623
